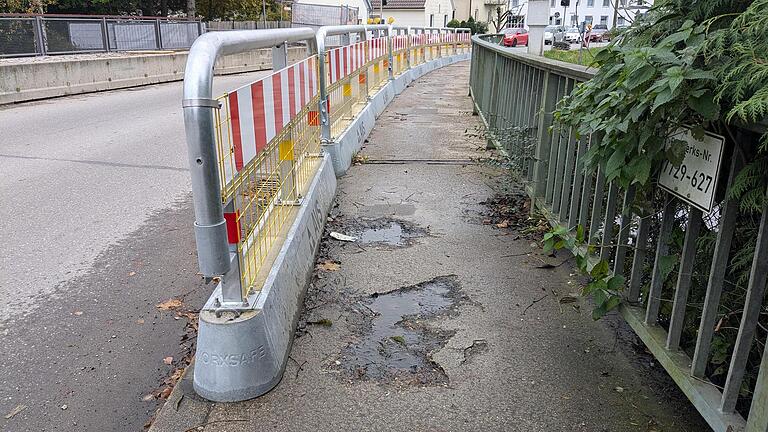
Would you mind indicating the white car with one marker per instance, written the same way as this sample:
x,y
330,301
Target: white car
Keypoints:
x,y
553,33
572,35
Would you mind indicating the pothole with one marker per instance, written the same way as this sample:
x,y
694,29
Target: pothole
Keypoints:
x,y
396,343
384,232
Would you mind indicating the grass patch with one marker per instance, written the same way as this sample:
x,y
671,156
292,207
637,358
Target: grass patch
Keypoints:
x,y
572,56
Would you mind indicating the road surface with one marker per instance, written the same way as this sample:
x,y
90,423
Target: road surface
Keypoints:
x,y
95,222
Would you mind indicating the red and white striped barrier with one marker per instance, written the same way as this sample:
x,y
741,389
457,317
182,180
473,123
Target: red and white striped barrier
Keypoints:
x,y
399,42
345,60
377,48
259,111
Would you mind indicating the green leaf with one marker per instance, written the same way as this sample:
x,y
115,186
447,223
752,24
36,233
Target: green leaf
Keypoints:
x,y
580,233
640,76
616,283
615,163
641,169
599,297
663,97
705,105
666,265
600,270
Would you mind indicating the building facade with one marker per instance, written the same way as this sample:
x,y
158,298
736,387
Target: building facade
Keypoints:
x,y
611,13
419,13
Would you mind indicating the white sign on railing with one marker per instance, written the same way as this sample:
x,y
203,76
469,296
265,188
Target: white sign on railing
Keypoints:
x,y
695,179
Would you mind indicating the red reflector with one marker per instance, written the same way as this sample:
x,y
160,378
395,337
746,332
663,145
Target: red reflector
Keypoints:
x,y
233,228
313,118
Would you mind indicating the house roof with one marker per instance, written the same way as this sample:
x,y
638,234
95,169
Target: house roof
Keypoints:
x,y
398,4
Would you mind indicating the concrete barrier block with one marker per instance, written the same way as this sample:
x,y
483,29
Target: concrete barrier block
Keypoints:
x,y
243,357
21,82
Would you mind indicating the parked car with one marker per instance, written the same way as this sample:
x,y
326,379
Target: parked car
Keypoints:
x,y
572,34
598,33
514,37
554,33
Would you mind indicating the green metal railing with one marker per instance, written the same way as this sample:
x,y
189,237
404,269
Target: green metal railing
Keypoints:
x,y
516,95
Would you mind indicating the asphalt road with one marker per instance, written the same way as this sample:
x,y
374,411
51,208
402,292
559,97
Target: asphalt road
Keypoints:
x,y
95,223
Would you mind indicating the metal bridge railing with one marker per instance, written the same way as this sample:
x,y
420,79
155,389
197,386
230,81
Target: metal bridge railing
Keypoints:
x,y
255,150
516,94
30,35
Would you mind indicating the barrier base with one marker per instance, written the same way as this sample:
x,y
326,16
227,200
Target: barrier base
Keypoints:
x,y
243,356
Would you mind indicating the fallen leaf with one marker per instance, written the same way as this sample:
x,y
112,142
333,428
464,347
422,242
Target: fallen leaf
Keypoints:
x,y
18,409
168,360
148,397
140,321
77,313
169,304
165,393
570,298
329,265
619,389
503,224
342,237
132,274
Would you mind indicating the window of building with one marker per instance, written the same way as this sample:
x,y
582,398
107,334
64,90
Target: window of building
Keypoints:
x,y
604,19
574,20
623,2
606,3
445,20
590,3
620,21
515,3
588,19
552,3
431,20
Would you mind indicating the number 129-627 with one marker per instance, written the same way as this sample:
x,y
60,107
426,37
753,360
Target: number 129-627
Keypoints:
x,y
698,180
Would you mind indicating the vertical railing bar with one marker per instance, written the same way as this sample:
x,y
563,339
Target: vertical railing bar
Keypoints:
x,y
638,260
728,217
570,164
553,149
609,221
586,193
684,279
624,226
749,318
578,181
597,204
662,247
561,158
758,412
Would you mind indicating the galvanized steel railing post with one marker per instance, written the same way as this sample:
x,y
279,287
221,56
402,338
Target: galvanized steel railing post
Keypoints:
x,y
322,33
158,35
105,34
198,104
279,56
39,30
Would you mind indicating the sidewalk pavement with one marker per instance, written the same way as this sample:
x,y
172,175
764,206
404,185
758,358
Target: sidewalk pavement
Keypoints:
x,y
439,317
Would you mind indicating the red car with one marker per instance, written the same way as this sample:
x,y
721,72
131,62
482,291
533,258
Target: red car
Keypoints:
x,y
514,37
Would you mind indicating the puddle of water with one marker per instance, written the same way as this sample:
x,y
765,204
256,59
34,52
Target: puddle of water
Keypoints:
x,y
398,344
378,210
391,235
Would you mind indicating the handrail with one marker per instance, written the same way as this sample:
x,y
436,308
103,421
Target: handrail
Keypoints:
x,y
570,70
198,104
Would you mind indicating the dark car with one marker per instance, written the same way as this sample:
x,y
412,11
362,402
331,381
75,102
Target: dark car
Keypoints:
x,y
514,37
598,33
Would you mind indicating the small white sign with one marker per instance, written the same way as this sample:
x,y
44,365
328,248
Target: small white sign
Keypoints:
x,y
695,180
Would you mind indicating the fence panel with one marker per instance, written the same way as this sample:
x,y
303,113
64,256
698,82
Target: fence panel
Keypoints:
x,y
26,35
520,91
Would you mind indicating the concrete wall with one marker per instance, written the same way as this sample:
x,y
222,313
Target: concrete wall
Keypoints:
x,y
32,80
